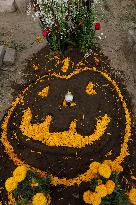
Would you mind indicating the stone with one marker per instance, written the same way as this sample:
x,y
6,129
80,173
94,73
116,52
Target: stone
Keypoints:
x,y
9,58
2,52
7,6
22,5
132,36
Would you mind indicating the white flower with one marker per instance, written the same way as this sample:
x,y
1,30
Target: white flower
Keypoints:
x,y
29,8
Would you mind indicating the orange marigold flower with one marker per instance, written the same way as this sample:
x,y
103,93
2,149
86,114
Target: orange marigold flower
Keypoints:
x,y
94,166
39,199
132,196
91,198
105,171
20,173
101,190
110,185
116,167
108,162
11,184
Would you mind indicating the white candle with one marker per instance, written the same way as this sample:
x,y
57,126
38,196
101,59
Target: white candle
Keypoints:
x,y
69,97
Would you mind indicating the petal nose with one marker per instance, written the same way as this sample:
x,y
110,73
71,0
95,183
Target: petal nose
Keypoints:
x,y
71,104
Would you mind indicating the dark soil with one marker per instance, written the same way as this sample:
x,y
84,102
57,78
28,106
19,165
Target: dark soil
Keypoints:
x,y
64,161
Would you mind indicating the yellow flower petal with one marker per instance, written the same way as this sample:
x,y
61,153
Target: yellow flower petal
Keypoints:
x,y
110,185
101,190
105,171
20,173
11,184
132,196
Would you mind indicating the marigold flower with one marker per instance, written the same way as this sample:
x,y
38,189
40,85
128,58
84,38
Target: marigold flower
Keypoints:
x,y
108,162
20,173
39,199
110,186
101,190
105,171
91,198
132,196
117,168
94,167
11,184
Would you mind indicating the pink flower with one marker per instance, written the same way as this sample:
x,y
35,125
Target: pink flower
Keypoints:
x,y
97,26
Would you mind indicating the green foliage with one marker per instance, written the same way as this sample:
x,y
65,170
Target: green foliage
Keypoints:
x,y
85,34
25,191
93,184
118,197
71,23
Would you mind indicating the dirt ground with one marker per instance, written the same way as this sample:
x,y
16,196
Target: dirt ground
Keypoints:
x,y
19,31
16,31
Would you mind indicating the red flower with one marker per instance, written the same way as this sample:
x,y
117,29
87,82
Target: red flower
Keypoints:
x,y
97,26
46,32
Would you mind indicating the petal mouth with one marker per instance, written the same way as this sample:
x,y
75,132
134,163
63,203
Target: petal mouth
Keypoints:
x,y
70,138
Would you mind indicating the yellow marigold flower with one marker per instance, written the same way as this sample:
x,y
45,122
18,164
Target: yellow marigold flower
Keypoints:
x,y
117,168
91,198
39,199
132,196
11,184
110,185
105,171
108,162
101,190
94,167
20,173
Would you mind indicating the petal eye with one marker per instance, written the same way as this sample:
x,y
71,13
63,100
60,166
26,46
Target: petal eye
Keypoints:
x,y
44,92
90,89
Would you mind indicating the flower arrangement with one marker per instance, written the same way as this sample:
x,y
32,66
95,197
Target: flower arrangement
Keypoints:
x,y
65,22
105,188
27,187
19,175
